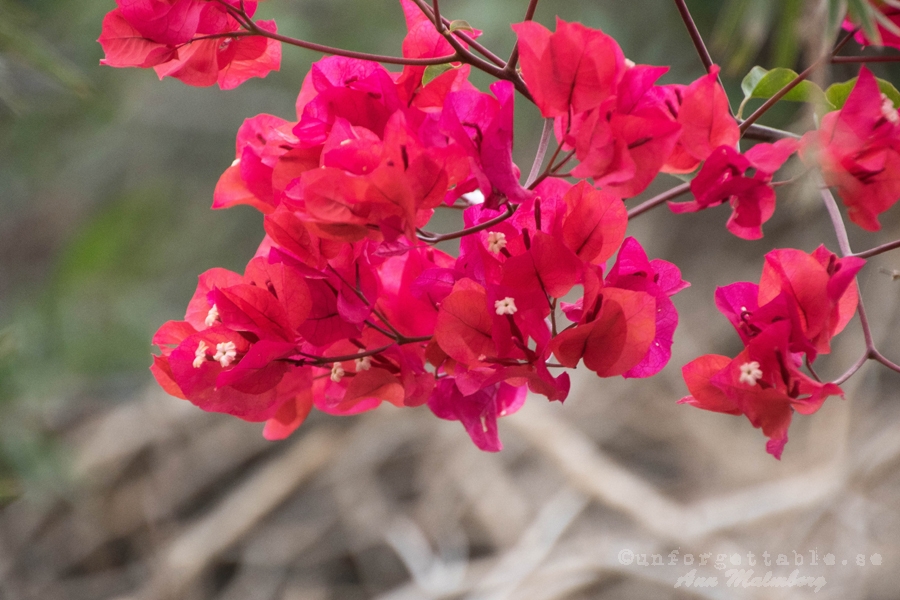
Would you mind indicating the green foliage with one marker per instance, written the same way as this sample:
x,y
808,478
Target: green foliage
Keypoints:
x,y
763,84
434,71
837,93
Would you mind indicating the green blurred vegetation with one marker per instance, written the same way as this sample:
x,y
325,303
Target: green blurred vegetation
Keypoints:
x,y
106,175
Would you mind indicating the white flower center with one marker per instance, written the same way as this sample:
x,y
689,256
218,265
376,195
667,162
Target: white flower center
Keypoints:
x,y
496,241
200,354
226,352
888,110
750,373
629,63
236,162
507,306
364,363
212,316
337,372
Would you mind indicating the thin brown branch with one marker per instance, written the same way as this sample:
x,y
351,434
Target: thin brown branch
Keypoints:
x,y
434,238
514,55
671,194
878,250
696,38
864,59
759,112
393,60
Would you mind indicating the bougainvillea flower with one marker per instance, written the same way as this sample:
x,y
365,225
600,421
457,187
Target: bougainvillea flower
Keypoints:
x,y
594,223
723,178
573,69
706,123
124,46
615,330
816,293
623,151
423,41
261,142
478,412
661,279
858,150
482,125
764,383
188,40
822,285
228,61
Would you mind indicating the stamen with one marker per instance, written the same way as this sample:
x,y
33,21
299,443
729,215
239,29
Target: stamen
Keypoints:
x,y
200,354
496,241
337,372
226,353
750,373
212,316
888,110
507,306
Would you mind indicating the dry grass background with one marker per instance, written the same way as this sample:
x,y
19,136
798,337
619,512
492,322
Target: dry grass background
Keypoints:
x,y
171,502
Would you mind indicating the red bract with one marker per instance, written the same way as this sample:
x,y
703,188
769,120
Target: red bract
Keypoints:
x,y
424,41
188,40
228,61
572,70
623,143
822,285
723,179
763,382
594,223
815,292
706,123
477,412
858,150
634,271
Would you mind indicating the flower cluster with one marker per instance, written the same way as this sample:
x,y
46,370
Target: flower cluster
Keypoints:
x,y
345,307
200,42
801,302
348,303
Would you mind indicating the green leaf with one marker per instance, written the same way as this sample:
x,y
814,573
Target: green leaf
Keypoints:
x,y
460,25
837,93
434,71
760,83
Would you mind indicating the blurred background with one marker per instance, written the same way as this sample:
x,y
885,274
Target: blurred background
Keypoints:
x,y
111,489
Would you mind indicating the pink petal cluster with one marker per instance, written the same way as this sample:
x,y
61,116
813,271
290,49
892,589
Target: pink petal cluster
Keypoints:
x,y
199,42
724,178
623,127
801,302
858,150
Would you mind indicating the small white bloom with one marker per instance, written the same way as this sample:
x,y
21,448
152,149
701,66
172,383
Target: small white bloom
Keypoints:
x,y
507,306
337,372
226,352
888,110
496,241
212,316
364,363
236,162
200,354
750,373
629,63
